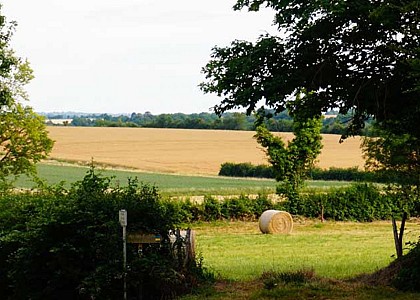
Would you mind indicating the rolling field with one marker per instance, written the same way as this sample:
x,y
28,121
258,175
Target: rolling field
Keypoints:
x,y
182,151
168,184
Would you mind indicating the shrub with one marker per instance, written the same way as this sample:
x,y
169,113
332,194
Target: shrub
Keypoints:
x,y
246,170
212,209
408,278
339,174
67,244
359,202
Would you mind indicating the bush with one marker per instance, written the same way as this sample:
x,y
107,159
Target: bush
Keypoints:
x,y
408,278
246,170
359,202
67,244
339,174
237,208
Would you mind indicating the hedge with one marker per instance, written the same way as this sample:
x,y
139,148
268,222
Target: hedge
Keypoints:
x,y
340,174
66,244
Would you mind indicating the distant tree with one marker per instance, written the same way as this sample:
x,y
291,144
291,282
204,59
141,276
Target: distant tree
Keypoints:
x,y
235,121
23,137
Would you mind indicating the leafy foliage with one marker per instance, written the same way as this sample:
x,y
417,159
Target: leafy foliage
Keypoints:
x,y
408,278
359,55
67,244
23,137
395,155
333,174
246,170
359,202
281,122
291,164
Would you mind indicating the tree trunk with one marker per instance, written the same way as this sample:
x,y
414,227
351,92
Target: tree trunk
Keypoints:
x,y
398,238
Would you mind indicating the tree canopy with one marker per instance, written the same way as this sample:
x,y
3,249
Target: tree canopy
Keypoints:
x,y
23,136
348,55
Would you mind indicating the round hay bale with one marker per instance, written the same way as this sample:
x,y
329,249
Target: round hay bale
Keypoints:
x,y
275,221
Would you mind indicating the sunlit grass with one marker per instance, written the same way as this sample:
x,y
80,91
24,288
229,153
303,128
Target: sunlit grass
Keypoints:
x,y
238,251
169,184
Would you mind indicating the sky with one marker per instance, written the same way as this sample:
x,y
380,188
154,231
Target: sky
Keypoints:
x,y
124,56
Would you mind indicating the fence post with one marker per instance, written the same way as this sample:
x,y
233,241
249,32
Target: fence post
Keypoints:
x,y
123,222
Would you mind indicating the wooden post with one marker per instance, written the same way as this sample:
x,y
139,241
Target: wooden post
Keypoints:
x,y
190,245
123,223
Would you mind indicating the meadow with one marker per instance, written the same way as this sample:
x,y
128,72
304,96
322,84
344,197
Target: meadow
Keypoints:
x,y
239,251
334,253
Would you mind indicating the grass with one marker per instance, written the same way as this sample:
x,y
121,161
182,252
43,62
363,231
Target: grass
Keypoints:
x,y
238,251
316,289
168,183
240,254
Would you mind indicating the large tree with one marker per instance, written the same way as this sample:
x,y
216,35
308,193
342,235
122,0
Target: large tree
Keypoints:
x,y
23,137
360,55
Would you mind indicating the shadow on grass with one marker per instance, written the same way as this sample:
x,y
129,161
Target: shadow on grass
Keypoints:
x,y
301,284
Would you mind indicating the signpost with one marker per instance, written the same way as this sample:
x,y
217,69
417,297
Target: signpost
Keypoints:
x,y
123,223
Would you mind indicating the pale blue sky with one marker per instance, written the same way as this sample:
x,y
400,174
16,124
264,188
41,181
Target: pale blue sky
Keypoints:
x,y
123,56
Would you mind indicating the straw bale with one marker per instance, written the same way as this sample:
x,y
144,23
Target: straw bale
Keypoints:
x,y
275,221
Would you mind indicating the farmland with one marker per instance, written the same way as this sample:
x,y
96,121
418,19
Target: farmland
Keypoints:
x,y
180,151
169,184
185,162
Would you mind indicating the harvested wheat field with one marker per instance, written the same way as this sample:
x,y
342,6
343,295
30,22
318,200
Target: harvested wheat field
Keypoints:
x,y
180,150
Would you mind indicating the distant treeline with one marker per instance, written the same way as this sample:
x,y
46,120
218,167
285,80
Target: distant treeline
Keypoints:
x,y
333,124
340,174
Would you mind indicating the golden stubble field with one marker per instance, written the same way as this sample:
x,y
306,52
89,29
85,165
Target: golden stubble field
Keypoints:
x,y
180,151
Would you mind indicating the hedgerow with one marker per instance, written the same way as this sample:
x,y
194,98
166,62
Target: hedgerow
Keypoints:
x,y
67,244
339,174
358,202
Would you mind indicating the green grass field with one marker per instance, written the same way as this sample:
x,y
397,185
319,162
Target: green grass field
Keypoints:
x,y
168,183
335,251
238,251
